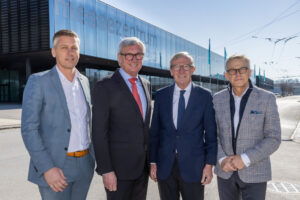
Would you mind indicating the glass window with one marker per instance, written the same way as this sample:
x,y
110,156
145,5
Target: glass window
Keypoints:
x,y
101,29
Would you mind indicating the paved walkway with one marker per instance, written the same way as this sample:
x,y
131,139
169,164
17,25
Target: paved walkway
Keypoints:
x,y
285,184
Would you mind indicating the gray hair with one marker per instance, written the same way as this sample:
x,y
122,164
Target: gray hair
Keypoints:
x,y
64,33
238,57
127,41
180,55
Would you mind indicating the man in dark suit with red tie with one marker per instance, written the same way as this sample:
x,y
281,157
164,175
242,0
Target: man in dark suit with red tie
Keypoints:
x,y
121,115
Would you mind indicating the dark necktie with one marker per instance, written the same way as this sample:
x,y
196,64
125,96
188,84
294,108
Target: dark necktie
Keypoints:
x,y
135,94
181,108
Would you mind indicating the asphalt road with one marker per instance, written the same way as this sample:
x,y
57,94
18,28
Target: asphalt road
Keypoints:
x,y
14,161
289,111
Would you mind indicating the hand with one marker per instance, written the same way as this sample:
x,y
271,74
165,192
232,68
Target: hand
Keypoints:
x,y
207,174
238,162
227,165
153,170
110,181
55,179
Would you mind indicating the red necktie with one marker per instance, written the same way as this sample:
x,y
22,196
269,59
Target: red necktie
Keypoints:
x,y
135,94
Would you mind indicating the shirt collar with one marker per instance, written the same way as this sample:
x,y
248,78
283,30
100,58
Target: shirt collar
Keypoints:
x,y
235,96
126,76
62,76
187,89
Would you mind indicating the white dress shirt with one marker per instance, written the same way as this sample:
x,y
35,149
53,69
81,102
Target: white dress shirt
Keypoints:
x,y
236,119
176,96
77,107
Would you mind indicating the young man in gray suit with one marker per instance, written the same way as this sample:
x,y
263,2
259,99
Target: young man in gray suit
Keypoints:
x,y
248,133
56,120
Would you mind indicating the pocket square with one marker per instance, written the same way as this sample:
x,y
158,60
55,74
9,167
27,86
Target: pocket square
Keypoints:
x,y
256,112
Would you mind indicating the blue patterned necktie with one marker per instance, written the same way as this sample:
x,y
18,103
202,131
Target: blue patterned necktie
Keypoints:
x,y
181,108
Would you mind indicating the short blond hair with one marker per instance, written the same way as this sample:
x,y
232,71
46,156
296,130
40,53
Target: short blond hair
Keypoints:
x,y
64,33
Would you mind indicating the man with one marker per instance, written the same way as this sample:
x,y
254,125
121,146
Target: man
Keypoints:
x,y
183,138
121,115
248,133
56,120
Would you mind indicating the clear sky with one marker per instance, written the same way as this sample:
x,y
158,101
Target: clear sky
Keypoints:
x,y
266,31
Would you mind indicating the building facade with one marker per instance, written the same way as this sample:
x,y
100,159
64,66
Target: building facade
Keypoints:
x,y
28,26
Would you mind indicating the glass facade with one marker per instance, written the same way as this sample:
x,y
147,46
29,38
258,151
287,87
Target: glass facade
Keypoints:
x,y
101,27
95,75
9,86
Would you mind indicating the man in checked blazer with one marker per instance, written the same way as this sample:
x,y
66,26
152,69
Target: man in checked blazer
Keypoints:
x,y
248,133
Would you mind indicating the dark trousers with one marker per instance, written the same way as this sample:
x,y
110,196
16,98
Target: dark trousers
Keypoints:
x,y
130,189
174,185
235,189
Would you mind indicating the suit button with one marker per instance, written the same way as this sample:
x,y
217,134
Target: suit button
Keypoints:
x,y
177,136
66,148
69,130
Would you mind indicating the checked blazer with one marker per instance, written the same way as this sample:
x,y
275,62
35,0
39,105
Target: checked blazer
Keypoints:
x,y
259,133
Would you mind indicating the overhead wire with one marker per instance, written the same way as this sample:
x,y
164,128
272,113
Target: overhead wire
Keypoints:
x,y
259,29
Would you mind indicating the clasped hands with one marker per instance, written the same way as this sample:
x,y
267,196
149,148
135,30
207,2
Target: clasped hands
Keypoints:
x,y
232,163
207,174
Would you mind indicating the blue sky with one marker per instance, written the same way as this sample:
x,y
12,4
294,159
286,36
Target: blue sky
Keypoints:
x,y
242,26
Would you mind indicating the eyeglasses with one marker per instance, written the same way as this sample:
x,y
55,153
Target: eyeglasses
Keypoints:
x,y
184,67
129,56
241,70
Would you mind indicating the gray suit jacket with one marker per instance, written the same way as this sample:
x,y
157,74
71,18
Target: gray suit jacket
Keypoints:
x,y
46,123
259,134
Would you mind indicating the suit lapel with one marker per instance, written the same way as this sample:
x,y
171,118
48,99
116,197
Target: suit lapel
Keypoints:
x,y
60,91
86,93
148,99
170,107
125,89
188,110
252,101
86,90
226,114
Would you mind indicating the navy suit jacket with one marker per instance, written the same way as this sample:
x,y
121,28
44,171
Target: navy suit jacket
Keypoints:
x,y
195,141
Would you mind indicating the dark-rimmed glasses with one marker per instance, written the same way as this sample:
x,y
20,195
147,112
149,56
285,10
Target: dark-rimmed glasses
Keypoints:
x,y
129,56
241,70
184,67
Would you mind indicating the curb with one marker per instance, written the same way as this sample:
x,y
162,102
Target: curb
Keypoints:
x,y
296,134
12,126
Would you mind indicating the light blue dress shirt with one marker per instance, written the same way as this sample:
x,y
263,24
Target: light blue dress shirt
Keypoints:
x,y
140,88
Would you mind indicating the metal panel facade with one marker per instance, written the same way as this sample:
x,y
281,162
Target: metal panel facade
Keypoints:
x,y
24,26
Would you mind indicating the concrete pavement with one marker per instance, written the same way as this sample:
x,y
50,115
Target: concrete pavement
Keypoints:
x,y
285,184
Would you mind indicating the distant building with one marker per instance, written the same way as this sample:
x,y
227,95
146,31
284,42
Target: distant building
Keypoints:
x,y
296,89
265,83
